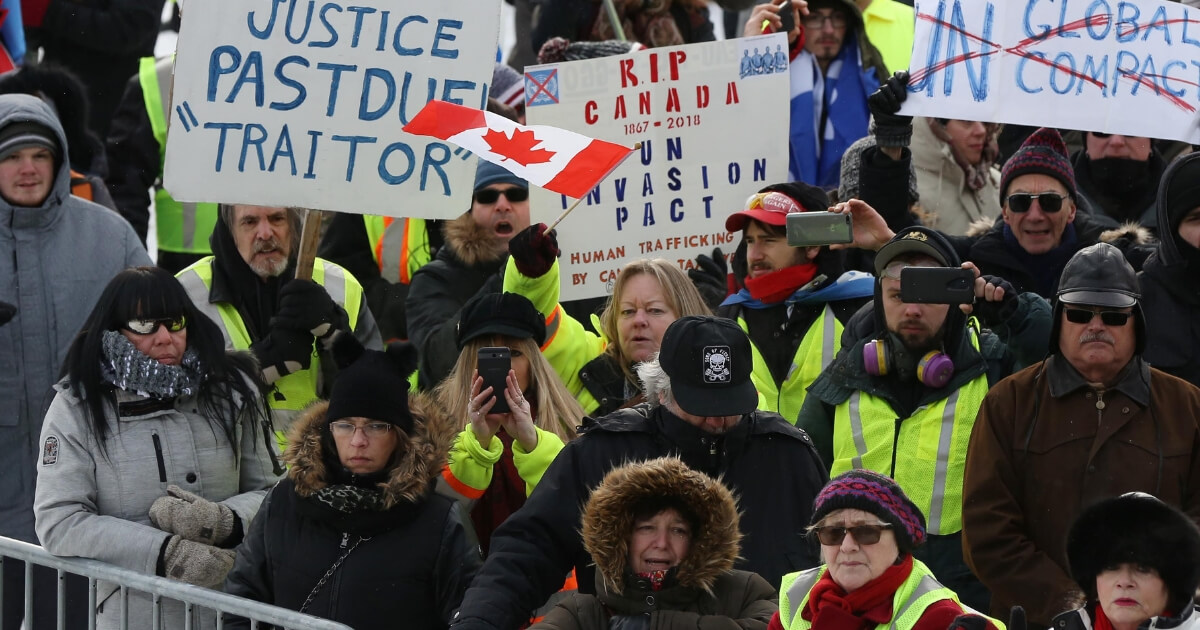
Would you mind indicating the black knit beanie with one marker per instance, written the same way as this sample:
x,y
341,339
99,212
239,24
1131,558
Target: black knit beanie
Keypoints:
x,y
375,386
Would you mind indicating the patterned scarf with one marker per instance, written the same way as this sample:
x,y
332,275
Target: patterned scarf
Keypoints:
x,y
127,368
350,499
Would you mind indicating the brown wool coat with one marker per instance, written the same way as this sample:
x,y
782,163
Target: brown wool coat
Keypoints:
x,y
1019,504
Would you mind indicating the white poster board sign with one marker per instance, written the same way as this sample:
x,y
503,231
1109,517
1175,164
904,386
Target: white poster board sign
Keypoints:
x,y
301,104
711,133
1118,66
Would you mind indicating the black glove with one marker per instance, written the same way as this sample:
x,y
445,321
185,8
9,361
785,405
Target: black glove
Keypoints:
x,y
282,352
534,250
889,128
969,622
1016,619
305,306
711,277
738,264
7,311
997,312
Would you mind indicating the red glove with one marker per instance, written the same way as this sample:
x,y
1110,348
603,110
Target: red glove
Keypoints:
x,y
534,250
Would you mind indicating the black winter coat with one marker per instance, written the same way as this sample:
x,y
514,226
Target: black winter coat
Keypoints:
x,y
769,464
412,562
466,265
1171,291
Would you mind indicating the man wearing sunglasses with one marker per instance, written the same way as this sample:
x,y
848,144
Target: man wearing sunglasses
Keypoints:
x,y
471,261
57,253
901,398
1091,421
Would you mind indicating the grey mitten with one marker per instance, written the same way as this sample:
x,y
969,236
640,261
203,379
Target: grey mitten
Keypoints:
x,y
196,563
192,517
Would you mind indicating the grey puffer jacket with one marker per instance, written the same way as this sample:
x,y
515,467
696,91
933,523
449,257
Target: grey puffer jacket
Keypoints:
x,y
94,502
55,260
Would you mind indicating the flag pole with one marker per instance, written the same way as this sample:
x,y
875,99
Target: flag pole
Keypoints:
x,y
636,147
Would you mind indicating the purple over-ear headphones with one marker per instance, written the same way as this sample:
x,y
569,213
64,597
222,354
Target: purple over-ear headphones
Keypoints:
x,y
933,370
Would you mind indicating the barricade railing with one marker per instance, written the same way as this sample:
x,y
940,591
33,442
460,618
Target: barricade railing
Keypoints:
x,y
194,598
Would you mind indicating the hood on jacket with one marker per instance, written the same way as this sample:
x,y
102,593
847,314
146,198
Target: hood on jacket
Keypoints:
x,y
235,282
18,108
608,520
869,55
410,474
1171,248
469,242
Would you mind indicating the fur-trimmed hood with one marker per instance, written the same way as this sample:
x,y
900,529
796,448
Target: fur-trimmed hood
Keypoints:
x,y
469,242
411,472
608,521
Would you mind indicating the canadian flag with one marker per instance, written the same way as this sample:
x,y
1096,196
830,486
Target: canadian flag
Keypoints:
x,y
555,159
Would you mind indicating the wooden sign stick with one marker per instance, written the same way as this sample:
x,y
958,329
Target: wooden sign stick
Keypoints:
x,y
310,237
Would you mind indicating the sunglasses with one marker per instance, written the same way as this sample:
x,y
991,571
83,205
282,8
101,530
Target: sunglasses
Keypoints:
x,y
1101,135
1109,318
490,195
150,326
1021,202
863,534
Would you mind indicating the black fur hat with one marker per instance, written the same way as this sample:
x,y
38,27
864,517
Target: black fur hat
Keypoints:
x,y
1140,529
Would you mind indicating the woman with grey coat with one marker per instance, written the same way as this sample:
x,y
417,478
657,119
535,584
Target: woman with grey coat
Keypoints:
x,y
157,449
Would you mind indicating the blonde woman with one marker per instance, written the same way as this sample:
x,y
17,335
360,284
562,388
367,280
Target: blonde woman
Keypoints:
x,y
500,457
648,295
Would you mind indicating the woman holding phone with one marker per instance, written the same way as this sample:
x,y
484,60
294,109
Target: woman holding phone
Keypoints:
x,y
500,457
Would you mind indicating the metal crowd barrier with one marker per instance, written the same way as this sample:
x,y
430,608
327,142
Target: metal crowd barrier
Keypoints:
x,y
192,596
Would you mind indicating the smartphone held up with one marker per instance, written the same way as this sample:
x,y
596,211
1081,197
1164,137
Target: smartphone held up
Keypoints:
x,y
937,285
808,229
493,365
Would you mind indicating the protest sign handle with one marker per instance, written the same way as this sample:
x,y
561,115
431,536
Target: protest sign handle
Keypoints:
x,y
618,30
310,236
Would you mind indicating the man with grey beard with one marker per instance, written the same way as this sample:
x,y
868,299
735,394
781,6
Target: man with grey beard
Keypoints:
x,y
1091,421
247,288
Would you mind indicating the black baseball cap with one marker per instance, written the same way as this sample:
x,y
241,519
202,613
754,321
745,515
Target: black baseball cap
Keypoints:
x,y
709,362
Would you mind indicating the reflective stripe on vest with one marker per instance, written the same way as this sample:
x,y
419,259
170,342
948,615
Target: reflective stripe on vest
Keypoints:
x,y
918,591
931,447
400,246
294,391
181,227
816,351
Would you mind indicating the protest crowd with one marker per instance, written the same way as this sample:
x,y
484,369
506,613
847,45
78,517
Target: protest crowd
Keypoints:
x,y
940,374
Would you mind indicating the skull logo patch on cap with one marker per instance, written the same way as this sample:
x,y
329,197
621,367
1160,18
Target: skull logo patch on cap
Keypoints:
x,y
717,364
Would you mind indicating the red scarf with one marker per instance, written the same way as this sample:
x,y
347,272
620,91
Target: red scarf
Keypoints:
x,y
832,608
778,286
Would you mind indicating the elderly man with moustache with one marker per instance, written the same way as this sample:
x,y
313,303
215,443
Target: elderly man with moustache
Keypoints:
x,y
1090,422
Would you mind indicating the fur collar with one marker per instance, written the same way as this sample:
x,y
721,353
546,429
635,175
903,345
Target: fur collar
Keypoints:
x,y
410,475
1132,230
608,521
469,242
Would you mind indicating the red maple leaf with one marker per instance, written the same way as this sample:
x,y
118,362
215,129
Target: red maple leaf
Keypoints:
x,y
518,148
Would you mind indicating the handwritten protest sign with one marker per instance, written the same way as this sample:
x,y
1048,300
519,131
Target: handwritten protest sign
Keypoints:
x,y
1118,66
713,131
287,102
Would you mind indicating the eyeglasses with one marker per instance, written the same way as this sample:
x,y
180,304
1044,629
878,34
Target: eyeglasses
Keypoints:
x,y
1101,135
370,429
150,326
1021,202
1109,318
863,534
816,21
490,195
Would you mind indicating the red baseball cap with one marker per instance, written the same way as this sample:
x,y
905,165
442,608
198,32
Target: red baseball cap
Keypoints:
x,y
771,208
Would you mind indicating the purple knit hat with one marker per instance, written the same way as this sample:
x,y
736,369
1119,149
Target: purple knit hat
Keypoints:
x,y
1042,152
877,494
